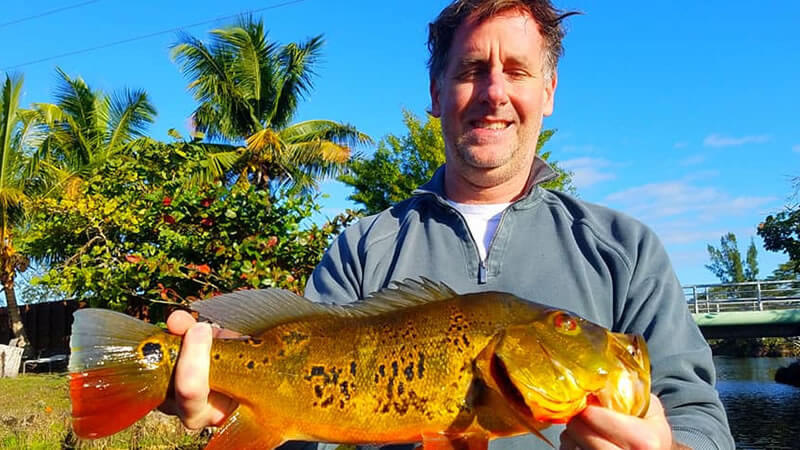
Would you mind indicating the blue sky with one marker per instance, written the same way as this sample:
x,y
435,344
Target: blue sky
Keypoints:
x,y
681,114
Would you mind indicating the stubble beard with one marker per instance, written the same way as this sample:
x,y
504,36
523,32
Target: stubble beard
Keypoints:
x,y
483,172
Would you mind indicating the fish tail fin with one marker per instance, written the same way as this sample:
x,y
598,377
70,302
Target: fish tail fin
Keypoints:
x,y
243,431
120,369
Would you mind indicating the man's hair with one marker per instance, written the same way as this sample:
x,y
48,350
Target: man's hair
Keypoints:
x,y
442,30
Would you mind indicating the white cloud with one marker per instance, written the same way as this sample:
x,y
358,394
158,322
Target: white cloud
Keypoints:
x,y
675,198
693,160
796,148
718,141
588,171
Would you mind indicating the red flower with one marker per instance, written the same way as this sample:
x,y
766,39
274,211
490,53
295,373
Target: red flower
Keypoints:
x,y
206,221
206,202
133,259
169,219
167,201
204,269
272,241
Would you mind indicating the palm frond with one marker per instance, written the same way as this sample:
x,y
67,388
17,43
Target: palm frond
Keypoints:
x,y
131,112
325,129
298,63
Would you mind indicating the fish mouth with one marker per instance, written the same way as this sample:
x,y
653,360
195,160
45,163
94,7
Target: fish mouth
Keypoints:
x,y
510,392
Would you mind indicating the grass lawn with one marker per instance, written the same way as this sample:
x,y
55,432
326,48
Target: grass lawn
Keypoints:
x,y
35,414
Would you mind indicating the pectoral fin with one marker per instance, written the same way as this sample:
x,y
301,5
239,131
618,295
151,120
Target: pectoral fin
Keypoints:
x,y
460,442
242,431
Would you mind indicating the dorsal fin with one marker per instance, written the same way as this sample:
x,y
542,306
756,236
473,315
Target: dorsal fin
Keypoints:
x,y
253,311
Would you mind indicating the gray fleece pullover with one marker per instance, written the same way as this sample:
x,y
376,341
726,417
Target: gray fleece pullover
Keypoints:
x,y
553,249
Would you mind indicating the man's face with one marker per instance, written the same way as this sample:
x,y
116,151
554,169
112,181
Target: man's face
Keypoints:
x,y
491,98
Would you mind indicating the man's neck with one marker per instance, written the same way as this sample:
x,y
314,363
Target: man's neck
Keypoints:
x,y
461,189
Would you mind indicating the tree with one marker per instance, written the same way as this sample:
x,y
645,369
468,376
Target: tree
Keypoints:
x,y
781,232
401,164
85,127
15,127
727,264
248,89
145,236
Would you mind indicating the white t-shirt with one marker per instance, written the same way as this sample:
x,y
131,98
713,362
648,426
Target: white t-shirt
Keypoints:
x,y
482,221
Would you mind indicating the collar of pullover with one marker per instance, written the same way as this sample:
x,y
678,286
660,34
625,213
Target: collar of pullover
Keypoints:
x,y
541,173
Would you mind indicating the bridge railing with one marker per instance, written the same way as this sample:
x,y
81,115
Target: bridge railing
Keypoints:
x,y
750,296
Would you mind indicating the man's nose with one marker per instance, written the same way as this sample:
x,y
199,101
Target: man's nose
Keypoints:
x,y
494,89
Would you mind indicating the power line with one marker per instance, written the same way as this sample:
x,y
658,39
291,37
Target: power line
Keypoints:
x,y
149,35
47,13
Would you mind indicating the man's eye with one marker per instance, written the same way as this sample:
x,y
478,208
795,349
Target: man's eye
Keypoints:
x,y
517,73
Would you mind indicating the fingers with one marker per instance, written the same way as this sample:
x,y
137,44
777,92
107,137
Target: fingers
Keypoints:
x,y
601,428
180,321
191,376
194,402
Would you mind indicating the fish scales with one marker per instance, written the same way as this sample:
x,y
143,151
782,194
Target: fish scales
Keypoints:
x,y
413,363
409,370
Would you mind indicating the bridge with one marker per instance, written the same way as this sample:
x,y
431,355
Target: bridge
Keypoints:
x,y
754,309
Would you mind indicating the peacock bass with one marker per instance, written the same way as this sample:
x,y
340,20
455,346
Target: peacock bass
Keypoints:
x,y
415,362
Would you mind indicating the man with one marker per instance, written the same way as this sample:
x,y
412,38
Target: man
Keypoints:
x,y
482,223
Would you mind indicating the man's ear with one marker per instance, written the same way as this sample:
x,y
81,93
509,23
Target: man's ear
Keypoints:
x,y
436,107
550,93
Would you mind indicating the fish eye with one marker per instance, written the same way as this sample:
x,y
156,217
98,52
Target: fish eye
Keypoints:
x,y
565,323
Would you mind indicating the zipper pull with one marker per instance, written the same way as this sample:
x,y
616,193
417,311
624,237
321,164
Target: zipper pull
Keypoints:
x,y
482,272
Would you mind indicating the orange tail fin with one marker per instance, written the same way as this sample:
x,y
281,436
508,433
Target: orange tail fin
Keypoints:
x,y
120,369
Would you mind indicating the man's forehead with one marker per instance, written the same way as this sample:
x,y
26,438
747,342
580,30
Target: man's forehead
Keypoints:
x,y
468,48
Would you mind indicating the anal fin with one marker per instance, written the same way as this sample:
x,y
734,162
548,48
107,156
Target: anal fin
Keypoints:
x,y
471,441
242,430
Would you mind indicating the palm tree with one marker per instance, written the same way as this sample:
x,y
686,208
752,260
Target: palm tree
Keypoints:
x,y
15,127
85,127
248,89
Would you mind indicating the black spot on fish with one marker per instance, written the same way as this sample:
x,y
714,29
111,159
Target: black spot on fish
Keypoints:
x,y
344,387
281,352
318,391
341,404
382,370
394,368
409,372
294,337
390,388
376,378
152,352
466,341
241,355
353,368
216,356
265,360
327,402
400,388
250,364
401,407
420,365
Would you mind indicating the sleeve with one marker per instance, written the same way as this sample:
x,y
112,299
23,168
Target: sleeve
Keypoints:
x,y
683,373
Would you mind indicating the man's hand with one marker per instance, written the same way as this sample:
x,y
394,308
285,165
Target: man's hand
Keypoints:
x,y
601,428
193,401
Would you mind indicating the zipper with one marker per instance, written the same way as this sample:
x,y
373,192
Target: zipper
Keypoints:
x,y
482,269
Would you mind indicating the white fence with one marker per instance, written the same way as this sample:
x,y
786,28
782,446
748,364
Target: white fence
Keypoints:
x,y
751,296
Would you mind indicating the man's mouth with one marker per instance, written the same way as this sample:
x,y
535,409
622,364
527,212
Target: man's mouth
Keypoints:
x,y
491,124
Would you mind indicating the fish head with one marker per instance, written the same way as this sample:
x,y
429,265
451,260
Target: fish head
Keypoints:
x,y
551,369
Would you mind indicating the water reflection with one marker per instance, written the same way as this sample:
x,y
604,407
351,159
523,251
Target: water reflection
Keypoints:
x,y
762,414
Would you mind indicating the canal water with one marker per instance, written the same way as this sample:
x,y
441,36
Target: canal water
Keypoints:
x,y
763,414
